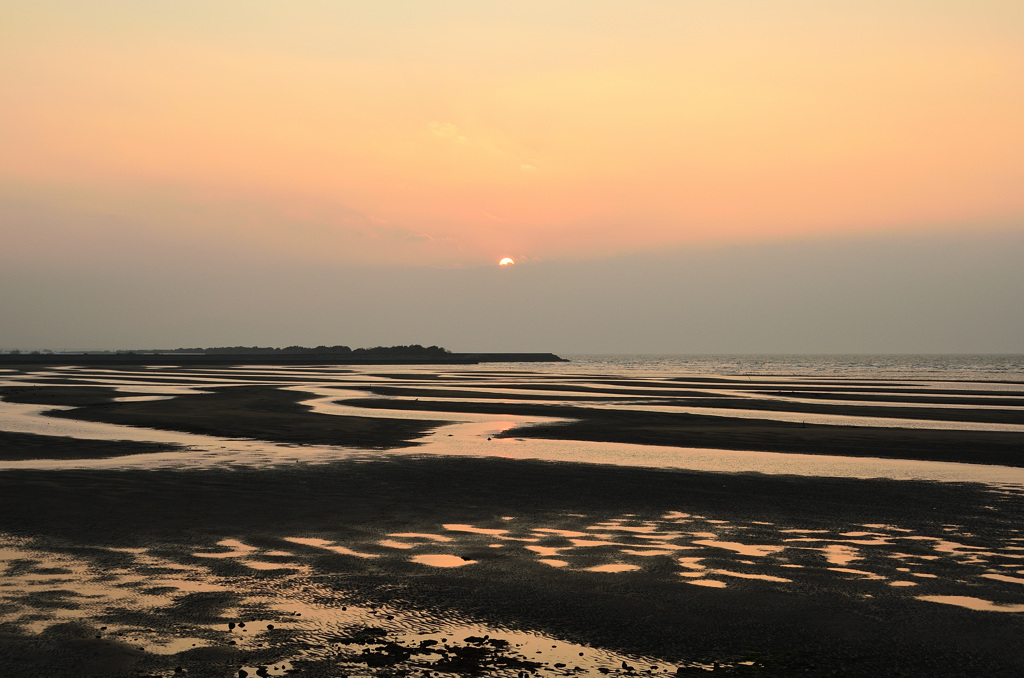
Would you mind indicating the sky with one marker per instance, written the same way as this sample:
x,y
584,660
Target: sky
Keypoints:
x,y
670,177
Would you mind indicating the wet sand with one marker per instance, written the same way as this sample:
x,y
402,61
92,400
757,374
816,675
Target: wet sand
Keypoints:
x,y
22,446
259,412
668,571
734,433
815,623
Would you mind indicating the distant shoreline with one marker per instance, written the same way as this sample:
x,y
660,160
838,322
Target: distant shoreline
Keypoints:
x,y
146,358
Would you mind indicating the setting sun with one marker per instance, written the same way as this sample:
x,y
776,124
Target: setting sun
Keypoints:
x,y
507,261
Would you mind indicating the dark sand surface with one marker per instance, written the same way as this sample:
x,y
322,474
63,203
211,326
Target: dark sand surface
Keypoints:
x,y
986,410
735,433
260,412
268,413
818,576
984,405
655,428
817,624
22,446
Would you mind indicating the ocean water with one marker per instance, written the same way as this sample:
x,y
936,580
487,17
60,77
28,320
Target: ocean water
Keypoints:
x,y
938,367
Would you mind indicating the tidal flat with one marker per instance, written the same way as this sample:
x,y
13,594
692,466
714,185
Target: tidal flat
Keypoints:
x,y
452,521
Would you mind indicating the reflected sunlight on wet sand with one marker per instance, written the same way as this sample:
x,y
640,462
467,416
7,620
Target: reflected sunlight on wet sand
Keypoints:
x,y
445,521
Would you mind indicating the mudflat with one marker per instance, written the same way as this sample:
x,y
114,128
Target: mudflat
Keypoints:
x,y
27,446
260,412
400,563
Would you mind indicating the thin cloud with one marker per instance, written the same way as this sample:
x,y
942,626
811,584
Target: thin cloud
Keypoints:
x,y
417,237
447,130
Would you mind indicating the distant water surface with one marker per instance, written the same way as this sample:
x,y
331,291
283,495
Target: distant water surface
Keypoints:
x,y
943,367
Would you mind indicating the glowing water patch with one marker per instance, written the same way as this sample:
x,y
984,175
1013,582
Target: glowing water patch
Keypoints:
x,y
330,546
710,583
561,533
1003,577
139,399
460,527
264,565
593,542
654,552
747,575
973,603
613,567
553,562
742,549
860,573
441,560
837,554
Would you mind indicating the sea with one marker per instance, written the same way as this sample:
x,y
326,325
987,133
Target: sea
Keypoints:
x,y
937,367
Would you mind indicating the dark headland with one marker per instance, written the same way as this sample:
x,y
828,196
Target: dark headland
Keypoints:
x,y
293,355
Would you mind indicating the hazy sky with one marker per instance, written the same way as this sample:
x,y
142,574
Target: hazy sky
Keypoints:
x,y
786,176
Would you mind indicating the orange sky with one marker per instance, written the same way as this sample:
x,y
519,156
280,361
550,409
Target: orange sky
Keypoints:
x,y
455,133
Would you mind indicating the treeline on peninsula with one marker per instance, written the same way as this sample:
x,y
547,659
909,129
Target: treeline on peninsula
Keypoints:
x,y
410,350
412,354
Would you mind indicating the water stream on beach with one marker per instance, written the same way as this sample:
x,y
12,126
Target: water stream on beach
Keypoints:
x,y
471,434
